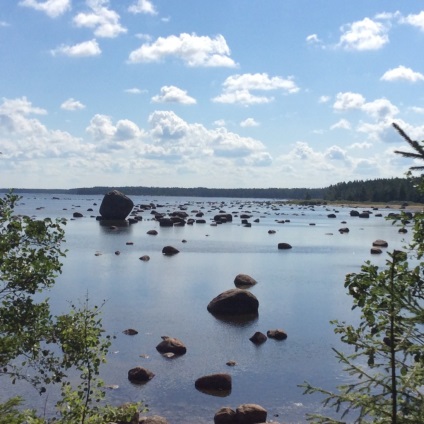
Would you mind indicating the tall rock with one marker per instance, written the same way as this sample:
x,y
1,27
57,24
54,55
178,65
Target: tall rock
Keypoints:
x,y
115,206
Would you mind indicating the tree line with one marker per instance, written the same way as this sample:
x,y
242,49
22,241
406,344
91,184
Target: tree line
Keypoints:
x,y
377,190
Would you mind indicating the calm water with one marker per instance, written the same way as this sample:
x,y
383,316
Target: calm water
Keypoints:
x,y
299,290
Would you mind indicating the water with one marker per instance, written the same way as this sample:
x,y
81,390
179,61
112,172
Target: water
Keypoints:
x,y
299,290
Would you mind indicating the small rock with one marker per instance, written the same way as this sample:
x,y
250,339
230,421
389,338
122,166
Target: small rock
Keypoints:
x,y
130,332
169,251
284,246
139,375
277,334
145,258
258,338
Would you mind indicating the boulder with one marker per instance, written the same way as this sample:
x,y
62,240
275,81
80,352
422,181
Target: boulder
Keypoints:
x,y
152,233
284,246
234,302
354,213
380,243
140,375
166,222
145,258
331,215
277,334
171,345
214,383
170,250
225,415
258,338
115,206
244,280
77,215
376,251
250,413
130,332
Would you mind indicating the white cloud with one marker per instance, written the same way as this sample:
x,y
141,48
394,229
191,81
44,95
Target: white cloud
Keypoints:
x,y
72,104
324,99
134,90
240,88
143,6
172,94
415,20
104,21
380,109
84,49
415,109
220,123
193,50
348,100
52,8
342,124
110,136
402,73
24,137
313,39
363,35
249,122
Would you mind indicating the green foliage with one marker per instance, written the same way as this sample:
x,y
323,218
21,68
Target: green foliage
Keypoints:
x,y
387,362
40,348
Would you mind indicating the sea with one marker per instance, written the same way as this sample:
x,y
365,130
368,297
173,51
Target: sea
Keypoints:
x,y
300,290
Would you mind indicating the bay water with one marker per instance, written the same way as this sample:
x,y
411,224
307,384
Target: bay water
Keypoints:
x,y
299,290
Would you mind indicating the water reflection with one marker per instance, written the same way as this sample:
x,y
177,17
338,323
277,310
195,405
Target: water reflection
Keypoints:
x,y
242,321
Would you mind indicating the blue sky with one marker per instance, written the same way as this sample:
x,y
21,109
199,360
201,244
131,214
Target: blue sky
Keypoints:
x,y
223,93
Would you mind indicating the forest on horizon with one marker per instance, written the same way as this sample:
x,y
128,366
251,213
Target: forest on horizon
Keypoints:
x,y
378,190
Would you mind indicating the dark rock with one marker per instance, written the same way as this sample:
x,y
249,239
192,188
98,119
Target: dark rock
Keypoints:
x,y
171,345
354,213
277,334
250,414
403,230
200,221
169,251
139,375
244,280
152,233
145,258
343,230
77,215
364,215
234,302
284,246
213,383
258,338
223,217
376,251
166,222
115,206
380,243
225,415
130,332
331,215
271,231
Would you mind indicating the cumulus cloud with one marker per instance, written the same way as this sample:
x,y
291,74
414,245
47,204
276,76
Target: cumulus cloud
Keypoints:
x,y
172,94
363,35
379,109
52,8
84,49
193,50
402,73
24,137
72,104
240,88
416,20
249,122
348,100
143,6
342,124
104,21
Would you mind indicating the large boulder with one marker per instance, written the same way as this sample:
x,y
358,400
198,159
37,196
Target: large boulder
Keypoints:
x,y
250,413
214,383
115,206
234,302
225,415
171,345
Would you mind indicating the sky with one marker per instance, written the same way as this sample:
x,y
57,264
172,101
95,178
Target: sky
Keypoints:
x,y
208,93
